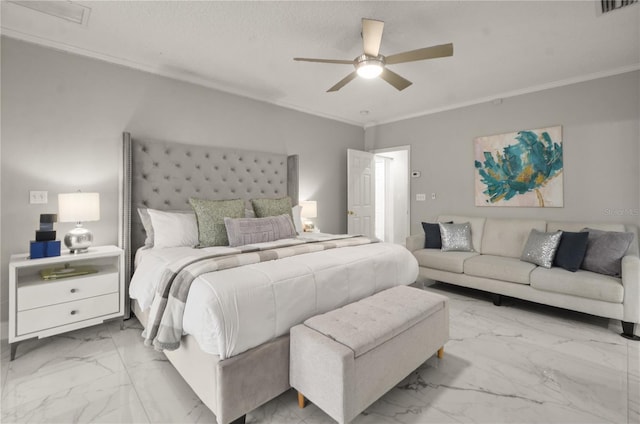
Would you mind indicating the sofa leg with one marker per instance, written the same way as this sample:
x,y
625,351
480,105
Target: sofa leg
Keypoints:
x,y
497,299
627,331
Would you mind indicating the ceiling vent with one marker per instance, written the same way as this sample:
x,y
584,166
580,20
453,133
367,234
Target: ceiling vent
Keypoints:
x,y
609,5
69,11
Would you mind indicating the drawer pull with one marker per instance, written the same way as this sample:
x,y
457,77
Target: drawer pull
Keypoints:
x,y
74,312
74,290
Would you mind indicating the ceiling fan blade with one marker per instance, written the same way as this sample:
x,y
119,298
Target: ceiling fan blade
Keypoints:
x,y
344,81
341,62
371,36
433,52
394,79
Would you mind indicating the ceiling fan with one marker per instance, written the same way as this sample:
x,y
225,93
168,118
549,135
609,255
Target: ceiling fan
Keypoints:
x,y
371,64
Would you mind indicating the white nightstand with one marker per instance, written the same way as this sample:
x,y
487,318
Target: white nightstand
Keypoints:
x,y
42,308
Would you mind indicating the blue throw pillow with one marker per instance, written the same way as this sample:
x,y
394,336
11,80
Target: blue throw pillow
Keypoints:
x,y
571,250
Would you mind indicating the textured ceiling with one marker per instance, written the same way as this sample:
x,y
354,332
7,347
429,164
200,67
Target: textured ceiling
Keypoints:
x,y
500,48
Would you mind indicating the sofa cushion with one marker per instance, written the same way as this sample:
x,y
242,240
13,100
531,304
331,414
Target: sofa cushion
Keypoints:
x,y
444,261
507,237
578,226
604,226
499,268
582,283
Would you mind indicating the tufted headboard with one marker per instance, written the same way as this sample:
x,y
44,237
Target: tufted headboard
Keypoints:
x,y
164,175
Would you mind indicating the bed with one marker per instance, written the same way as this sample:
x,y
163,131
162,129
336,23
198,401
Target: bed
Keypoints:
x,y
233,376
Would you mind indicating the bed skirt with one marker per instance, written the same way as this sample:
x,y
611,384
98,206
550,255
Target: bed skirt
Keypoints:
x,y
235,386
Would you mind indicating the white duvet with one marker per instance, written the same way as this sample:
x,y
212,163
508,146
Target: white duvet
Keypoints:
x,y
231,311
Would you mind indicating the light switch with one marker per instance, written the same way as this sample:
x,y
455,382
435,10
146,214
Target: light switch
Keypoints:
x,y
421,197
38,197
433,196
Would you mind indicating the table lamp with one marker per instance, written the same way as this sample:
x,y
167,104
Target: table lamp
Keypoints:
x,y
78,207
309,210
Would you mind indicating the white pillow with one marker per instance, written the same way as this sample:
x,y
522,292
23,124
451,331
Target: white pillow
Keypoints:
x,y
173,229
297,220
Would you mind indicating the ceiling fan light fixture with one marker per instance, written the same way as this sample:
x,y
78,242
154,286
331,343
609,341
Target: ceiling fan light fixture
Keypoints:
x,y
369,67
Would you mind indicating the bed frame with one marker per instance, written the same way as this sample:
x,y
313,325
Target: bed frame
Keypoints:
x,y
164,175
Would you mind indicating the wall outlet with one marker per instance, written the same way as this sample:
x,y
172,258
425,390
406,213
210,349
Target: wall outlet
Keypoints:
x,y
421,197
38,197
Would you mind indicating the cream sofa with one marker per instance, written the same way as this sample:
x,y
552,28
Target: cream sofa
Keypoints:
x,y
495,267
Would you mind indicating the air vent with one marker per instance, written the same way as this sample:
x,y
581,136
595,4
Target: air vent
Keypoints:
x,y
609,5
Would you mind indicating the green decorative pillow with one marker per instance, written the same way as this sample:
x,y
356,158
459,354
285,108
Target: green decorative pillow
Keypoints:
x,y
211,215
272,207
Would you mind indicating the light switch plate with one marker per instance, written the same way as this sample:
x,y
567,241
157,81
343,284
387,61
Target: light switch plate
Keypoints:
x,y
38,197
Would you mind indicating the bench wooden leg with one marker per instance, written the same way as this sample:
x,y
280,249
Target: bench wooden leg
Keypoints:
x,y
302,402
441,352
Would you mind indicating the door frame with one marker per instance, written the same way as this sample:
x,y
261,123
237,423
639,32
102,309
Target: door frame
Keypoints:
x,y
406,148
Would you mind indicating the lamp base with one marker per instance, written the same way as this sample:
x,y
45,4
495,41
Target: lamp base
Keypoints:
x,y
78,240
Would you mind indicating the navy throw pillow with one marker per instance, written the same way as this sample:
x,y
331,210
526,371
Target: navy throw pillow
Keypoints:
x,y
571,250
432,237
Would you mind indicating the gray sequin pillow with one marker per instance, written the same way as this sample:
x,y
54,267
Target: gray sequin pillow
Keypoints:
x,y
456,237
211,215
541,247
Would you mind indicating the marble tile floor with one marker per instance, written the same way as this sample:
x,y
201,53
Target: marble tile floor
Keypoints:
x,y
517,363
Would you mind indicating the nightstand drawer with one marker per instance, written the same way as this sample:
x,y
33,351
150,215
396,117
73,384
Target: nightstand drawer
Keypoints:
x,y
52,292
66,313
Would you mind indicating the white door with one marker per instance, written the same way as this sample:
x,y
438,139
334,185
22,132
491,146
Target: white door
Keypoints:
x,y
361,193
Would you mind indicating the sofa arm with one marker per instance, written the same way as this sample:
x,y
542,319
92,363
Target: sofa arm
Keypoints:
x,y
415,242
631,283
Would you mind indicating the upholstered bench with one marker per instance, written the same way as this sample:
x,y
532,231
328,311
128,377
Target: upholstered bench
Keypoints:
x,y
346,359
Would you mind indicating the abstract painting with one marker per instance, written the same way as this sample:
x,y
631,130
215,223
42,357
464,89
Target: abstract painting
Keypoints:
x,y
523,169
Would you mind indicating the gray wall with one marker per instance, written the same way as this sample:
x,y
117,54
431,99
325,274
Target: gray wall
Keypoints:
x,y
62,121
601,130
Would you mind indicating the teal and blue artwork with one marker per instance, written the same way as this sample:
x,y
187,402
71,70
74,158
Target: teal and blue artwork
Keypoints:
x,y
522,168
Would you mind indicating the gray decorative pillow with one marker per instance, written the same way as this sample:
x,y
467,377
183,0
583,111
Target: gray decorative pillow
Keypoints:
x,y
241,231
456,237
272,207
211,215
605,250
541,247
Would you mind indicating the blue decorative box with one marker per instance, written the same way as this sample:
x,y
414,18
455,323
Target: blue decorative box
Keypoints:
x,y
52,248
37,249
44,249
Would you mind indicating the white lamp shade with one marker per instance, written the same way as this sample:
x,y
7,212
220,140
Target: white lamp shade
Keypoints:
x,y
78,207
309,209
